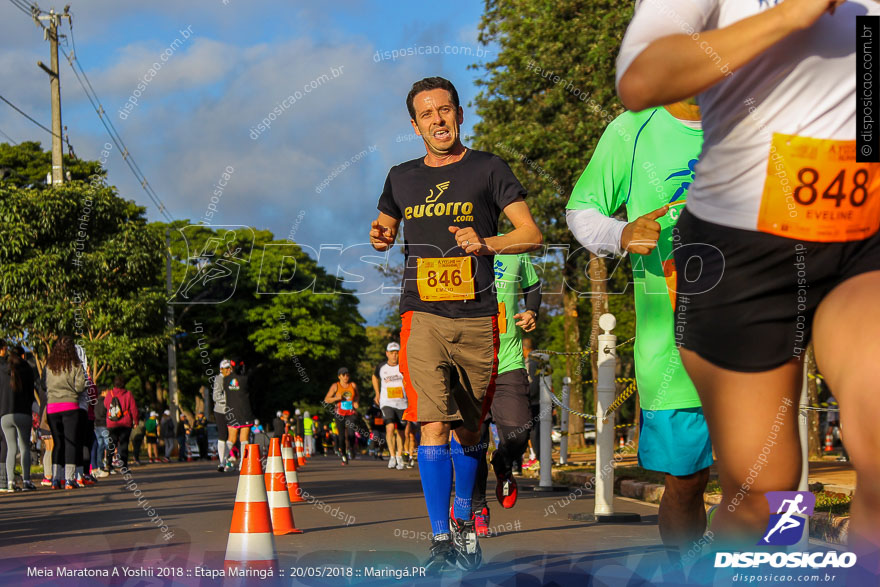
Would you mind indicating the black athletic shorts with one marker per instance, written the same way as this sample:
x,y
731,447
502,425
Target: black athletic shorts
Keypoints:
x,y
222,432
510,407
394,416
746,299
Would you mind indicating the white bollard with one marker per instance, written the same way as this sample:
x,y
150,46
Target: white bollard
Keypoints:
x,y
605,389
546,449
563,424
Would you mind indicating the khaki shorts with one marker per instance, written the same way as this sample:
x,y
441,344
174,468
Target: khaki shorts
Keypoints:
x,y
449,367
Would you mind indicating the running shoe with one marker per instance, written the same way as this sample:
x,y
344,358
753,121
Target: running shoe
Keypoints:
x,y
59,484
505,490
392,462
221,469
534,465
72,484
481,523
517,470
85,481
46,482
442,559
101,473
8,489
410,463
400,464
28,486
468,554
344,460
114,471
530,463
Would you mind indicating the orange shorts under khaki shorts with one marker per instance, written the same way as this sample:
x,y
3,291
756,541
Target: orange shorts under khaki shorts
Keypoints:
x,y
449,367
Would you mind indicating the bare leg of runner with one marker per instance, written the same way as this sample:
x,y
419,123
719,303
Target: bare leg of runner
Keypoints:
x,y
846,344
741,410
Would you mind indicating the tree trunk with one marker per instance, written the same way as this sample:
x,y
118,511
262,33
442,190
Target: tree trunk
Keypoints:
x,y
814,444
598,273
572,363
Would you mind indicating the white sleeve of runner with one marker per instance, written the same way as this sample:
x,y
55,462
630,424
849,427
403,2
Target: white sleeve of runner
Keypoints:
x,y
595,231
655,19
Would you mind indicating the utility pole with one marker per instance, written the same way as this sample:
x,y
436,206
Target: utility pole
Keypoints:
x,y
172,344
51,33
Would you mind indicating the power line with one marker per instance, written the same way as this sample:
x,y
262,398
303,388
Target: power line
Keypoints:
x,y
110,128
26,115
89,90
23,6
11,140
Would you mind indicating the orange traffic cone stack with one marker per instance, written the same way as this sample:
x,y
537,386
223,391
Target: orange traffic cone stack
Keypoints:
x,y
300,459
251,544
276,489
829,441
289,459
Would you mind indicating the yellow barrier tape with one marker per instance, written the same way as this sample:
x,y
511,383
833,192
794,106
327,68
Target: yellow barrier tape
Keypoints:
x,y
579,353
625,395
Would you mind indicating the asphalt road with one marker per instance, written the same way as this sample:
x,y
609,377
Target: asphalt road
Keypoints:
x,y
363,524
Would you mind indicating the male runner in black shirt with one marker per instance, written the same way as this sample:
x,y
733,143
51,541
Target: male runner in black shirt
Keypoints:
x,y
450,201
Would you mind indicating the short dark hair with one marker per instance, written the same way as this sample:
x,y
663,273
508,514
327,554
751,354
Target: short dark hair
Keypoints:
x,y
119,382
430,83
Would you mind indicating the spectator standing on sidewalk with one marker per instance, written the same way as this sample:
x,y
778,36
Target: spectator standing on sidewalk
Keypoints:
x,y
65,385
166,433
309,431
278,425
183,430
99,465
16,398
200,432
122,417
137,440
151,433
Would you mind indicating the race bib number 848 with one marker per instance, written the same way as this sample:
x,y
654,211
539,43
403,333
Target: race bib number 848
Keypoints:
x,y
816,191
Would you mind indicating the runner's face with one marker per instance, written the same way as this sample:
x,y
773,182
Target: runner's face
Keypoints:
x,y
343,379
393,356
437,121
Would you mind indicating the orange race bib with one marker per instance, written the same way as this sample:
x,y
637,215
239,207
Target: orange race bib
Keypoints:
x,y
502,318
816,191
445,279
394,392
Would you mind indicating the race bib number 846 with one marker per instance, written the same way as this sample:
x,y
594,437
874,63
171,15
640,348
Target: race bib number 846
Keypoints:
x,y
445,279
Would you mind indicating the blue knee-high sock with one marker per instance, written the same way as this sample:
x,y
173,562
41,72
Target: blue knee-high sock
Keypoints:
x,y
435,469
465,459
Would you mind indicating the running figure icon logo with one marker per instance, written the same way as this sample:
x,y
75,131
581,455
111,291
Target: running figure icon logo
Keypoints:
x,y
792,508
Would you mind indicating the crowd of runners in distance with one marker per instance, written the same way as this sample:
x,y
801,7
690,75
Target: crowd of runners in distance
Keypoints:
x,y
725,164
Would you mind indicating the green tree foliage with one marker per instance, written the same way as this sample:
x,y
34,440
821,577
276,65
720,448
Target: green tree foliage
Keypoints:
x,y
290,321
26,165
544,103
80,260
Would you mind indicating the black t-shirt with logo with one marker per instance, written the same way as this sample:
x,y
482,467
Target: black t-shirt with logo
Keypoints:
x,y
470,192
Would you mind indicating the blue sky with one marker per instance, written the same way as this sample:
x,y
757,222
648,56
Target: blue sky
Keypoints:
x,y
194,116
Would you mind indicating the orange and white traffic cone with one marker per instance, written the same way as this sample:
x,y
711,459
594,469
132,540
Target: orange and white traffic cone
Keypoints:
x,y
620,444
276,489
300,459
251,544
829,441
289,459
